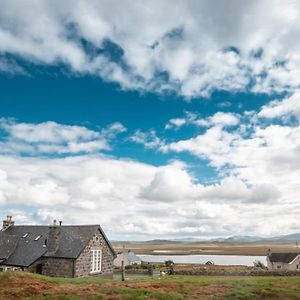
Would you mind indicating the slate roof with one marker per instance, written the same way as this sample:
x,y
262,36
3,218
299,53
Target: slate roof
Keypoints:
x,y
7,246
132,257
23,251
282,257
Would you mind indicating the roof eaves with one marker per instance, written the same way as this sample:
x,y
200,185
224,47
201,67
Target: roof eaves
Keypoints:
x,y
108,242
297,257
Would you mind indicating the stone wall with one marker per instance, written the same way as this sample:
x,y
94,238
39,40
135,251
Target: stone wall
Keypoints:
x,y
236,273
83,265
59,267
36,267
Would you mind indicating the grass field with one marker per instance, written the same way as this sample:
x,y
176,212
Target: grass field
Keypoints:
x,y
20,285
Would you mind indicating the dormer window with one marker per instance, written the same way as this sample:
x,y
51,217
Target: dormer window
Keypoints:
x,y
25,235
37,238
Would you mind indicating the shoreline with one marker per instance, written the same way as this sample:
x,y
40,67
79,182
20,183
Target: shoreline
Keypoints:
x,y
242,249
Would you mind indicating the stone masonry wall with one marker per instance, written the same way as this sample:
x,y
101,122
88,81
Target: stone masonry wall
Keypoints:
x,y
83,265
58,267
34,267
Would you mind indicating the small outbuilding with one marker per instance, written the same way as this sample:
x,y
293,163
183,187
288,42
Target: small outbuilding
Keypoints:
x,y
56,250
128,257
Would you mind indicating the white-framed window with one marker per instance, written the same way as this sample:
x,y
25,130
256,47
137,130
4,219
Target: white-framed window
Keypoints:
x,y
96,256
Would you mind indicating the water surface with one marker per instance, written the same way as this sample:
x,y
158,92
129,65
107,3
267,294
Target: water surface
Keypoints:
x,y
202,259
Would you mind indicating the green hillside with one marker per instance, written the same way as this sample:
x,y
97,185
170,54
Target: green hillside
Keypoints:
x,y
19,285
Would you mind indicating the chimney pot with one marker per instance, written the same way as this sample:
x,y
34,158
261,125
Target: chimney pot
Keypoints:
x,y
8,222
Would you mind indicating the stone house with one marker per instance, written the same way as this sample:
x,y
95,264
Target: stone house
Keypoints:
x,y
56,250
128,257
283,261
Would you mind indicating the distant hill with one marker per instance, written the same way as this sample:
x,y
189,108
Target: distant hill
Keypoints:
x,y
150,242
158,242
239,239
254,239
232,239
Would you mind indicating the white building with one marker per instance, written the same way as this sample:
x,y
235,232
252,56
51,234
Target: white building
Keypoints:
x,y
283,261
128,257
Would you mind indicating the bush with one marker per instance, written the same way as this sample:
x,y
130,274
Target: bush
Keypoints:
x,y
169,263
134,266
170,266
259,264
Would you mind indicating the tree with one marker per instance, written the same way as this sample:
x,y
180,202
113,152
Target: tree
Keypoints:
x,y
170,266
259,264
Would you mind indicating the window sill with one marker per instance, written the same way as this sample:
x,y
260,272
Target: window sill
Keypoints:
x,y
96,272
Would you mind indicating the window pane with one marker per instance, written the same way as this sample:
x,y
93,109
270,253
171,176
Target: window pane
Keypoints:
x,y
96,261
93,260
99,260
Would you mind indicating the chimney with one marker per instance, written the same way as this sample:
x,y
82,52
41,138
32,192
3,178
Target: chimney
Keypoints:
x,y
53,237
8,222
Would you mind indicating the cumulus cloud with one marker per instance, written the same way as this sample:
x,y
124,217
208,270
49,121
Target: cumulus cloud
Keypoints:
x,y
136,200
232,189
176,122
148,139
258,171
130,199
267,149
220,119
257,159
170,183
215,144
290,106
223,119
175,51
112,130
51,137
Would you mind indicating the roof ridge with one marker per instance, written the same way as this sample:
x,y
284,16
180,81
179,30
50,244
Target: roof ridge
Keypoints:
x,y
69,225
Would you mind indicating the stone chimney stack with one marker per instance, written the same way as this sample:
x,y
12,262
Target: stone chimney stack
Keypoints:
x,y
8,222
53,237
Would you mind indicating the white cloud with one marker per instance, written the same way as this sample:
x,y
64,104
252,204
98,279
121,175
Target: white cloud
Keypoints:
x,y
223,119
166,182
215,144
191,48
220,119
282,108
112,130
257,159
232,189
148,139
176,122
51,137
135,200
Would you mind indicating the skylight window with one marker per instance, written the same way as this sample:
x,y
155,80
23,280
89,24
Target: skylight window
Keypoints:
x,y
37,238
25,235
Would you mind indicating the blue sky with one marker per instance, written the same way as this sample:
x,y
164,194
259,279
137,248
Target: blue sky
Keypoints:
x,y
89,101
165,132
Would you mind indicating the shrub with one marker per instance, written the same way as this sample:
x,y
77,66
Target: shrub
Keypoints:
x,y
259,264
170,266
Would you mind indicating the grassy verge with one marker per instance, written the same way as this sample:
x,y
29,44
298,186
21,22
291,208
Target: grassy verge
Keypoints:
x,y
19,285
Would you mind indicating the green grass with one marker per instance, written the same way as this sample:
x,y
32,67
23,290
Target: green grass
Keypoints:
x,y
19,285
